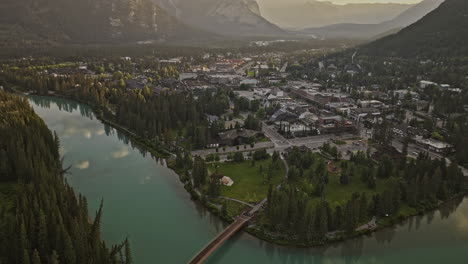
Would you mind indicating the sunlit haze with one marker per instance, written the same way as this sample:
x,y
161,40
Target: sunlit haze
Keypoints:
x,y
343,1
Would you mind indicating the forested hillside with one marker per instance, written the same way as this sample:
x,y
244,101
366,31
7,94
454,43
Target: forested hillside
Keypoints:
x,y
42,220
441,33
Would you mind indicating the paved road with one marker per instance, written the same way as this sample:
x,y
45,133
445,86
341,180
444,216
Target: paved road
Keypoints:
x,y
241,70
238,201
275,137
206,152
312,142
285,66
371,225
414,150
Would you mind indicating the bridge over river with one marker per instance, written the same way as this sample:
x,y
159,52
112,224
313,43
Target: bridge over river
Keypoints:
x,y
229,231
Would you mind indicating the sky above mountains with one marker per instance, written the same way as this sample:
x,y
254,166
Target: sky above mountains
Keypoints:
x,y
347,1
375,1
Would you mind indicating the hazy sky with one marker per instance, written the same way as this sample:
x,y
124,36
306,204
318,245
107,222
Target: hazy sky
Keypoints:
x,y
347,1
375,1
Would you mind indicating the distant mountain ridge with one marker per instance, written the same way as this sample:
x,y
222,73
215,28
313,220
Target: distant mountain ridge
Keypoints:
x,y
441,33
225,17
368,31
311,13
24,22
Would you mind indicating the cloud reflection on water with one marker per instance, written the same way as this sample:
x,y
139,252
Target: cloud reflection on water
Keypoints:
x,y
121,153
82,165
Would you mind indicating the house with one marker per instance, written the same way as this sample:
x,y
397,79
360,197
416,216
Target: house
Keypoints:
x,y
444,86
332,68
294,129
308,118
236,137
283,115
424,84
360,113
400,130
249,82
401,94
369,103
187,76
135,84
329,120
212,119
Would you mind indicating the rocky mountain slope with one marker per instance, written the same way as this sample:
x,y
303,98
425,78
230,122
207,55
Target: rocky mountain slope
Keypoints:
x,y
24,22
226,17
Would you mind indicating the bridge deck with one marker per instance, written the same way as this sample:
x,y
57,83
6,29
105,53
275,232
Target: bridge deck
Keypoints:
x,y
220,239
229,231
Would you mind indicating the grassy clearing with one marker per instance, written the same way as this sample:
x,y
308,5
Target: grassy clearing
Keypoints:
x,y
339,142
336,193
249,183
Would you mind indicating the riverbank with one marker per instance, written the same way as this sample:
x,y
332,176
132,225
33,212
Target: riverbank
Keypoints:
x,y
215,209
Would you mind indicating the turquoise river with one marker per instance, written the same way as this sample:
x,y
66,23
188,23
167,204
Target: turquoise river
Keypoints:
x,y
144,201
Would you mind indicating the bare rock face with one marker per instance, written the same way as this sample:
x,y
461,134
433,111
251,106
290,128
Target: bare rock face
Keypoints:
x,y
98,21
231,17
253,6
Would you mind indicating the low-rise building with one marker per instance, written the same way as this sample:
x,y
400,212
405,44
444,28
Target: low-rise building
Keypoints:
x,y
433,145
423,84
236,137
358,114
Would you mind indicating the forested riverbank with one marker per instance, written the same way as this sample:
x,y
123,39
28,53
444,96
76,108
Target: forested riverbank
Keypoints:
x,y
42,219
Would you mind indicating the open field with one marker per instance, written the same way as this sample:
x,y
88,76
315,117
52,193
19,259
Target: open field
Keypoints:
x,y
250,184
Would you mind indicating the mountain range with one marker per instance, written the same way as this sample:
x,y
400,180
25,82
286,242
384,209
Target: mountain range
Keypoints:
x,y
25,22
441,33
225,17
368,31
299,14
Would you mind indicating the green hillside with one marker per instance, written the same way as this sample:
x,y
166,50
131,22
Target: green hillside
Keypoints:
x,y
441,33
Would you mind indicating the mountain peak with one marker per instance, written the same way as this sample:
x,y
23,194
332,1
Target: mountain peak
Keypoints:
x,y
235,17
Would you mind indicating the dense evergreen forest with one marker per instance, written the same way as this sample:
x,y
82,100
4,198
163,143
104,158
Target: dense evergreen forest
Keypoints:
x,y
166,118
42,220
442,33
319,203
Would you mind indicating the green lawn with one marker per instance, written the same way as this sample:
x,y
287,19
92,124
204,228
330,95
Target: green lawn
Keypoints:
x,y
249,183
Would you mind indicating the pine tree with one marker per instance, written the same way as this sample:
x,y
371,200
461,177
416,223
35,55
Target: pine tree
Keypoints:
x,y
54,258
36,259
25,257
69,251
128,253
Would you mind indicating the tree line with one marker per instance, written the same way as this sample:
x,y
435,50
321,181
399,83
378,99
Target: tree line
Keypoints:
x,y
307,211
